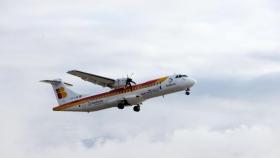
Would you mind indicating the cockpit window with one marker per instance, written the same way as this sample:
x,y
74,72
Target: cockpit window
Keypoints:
x,y
179,76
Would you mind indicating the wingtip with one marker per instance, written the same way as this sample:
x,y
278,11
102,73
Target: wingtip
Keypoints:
x,y
70,71
73,71
43,81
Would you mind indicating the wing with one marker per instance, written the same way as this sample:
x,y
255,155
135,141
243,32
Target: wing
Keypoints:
x,y
99,80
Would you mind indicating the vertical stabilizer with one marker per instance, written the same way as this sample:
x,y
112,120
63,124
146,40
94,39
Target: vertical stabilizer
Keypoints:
x,y
62,93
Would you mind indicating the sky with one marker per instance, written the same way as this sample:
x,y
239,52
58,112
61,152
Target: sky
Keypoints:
x,y
232,49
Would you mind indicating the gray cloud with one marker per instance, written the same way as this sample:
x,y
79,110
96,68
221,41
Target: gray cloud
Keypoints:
x,y
236,142
270,56
238,88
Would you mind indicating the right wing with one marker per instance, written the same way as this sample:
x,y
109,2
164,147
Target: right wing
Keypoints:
x,y
95,79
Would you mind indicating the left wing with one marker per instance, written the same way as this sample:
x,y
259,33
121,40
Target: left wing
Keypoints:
x,y
95,79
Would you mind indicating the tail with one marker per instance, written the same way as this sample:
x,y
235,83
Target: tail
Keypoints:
x,y
62,93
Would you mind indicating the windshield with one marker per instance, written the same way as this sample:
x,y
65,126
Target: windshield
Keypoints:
x,y
180,76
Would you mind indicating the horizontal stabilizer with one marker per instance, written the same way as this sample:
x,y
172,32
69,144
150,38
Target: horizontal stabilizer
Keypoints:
x,y
56,82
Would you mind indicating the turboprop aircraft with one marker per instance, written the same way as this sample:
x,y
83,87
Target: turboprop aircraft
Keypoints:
x,y
124,92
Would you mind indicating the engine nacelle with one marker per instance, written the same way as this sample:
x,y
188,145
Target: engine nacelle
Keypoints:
x,y
120,83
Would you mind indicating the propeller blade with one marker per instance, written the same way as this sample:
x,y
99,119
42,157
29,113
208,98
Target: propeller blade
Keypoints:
x,y
130,86
129,81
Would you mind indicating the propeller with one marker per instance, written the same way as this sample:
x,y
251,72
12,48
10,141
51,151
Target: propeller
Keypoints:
x,y
129,81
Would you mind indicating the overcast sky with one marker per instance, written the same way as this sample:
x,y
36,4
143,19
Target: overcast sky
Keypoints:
x,y
232,48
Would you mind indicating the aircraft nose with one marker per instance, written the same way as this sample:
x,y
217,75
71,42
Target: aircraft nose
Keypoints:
x,y
192,82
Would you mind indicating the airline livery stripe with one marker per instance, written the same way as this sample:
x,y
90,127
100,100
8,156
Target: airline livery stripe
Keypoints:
x,y
109,94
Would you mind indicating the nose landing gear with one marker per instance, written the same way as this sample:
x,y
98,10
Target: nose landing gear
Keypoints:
x,y
188,92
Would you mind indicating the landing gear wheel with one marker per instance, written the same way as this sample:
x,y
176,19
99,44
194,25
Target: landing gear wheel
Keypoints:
x,y
136,108
188,93
120,106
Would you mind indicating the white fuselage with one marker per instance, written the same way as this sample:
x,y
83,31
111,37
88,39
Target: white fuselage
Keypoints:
x,y
132,95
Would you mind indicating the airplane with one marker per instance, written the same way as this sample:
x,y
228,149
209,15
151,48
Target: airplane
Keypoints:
x,y
124,92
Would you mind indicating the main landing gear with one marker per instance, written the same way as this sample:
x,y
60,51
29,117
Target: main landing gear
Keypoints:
x,y
188,92
121,106
136,108
124,103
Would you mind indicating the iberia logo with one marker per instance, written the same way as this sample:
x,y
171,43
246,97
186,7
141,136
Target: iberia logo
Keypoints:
x,y
61,93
